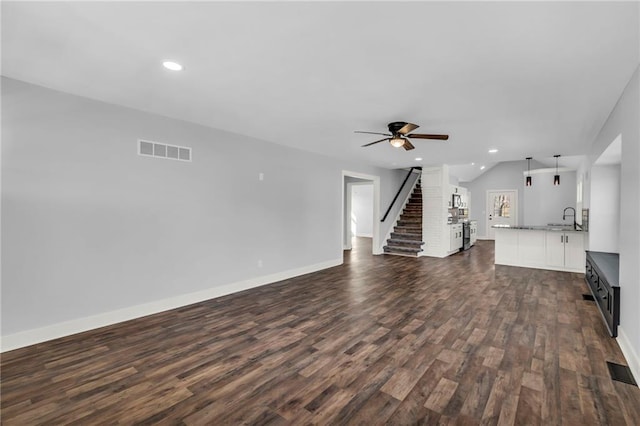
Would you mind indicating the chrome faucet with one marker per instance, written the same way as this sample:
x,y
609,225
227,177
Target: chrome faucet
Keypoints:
x,y
564,215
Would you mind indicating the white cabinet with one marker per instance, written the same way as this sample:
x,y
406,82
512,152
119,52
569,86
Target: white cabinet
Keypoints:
x,y
555,249
456,237
565,250
464,194
538,248
574,254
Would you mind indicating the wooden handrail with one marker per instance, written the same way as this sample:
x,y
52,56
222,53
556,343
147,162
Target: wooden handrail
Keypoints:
x,y
398,193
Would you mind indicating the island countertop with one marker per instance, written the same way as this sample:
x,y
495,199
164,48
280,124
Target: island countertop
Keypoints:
x,y
558,228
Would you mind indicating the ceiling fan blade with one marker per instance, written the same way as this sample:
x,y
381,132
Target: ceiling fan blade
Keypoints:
x,y
408,146
409,127
373,133
371,143
420,136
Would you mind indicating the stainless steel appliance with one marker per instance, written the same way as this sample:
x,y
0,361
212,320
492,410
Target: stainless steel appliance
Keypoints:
x,y
466,236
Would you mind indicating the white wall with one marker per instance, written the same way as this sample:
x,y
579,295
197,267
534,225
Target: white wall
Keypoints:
x,y
89,227
544,202
624,120
506,175
362,210
604,213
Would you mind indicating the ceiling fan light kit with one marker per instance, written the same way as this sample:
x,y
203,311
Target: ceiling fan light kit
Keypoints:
x,y
397,141
399,133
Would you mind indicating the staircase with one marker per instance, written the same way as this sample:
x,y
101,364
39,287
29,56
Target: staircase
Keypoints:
x,y
406,238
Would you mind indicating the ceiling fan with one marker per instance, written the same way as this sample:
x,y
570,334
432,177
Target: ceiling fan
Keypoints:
x,y
399,132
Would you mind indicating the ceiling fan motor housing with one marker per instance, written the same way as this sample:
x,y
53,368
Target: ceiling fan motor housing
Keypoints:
x,y
396,126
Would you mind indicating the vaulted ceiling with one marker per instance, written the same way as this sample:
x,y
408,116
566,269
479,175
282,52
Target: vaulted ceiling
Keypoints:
x,y
529,79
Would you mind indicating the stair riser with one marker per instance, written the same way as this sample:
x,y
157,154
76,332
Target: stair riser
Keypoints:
x,y
416,246
401,250
408,230
406,236
414,223
401,254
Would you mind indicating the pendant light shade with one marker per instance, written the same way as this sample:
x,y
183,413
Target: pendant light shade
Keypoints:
x,y
527,180
556,178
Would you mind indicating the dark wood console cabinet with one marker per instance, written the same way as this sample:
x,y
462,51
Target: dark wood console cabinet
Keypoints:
x,y
602,276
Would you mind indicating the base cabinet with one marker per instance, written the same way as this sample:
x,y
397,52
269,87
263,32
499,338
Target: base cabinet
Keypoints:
x,y
555,249
574,253
601,274
455,242
536,248
565,250
474,232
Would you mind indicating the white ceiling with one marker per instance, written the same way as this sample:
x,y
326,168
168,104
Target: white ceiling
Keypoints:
x,y
530,79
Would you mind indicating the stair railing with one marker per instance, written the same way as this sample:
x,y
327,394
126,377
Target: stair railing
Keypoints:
x,y
398,193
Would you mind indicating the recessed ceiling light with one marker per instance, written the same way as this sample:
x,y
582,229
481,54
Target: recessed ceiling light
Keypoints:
x,y
493,151
418,158
173,66
473,164
482,168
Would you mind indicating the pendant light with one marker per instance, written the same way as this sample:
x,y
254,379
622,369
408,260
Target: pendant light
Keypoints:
x,y
527,181
556,178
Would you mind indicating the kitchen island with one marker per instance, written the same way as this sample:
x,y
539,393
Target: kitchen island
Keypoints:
x,y
558,248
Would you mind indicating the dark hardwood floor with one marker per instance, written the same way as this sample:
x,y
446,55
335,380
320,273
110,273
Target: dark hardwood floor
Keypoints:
x,y
378,340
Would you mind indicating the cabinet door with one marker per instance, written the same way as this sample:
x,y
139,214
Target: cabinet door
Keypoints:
x,y
574,255
555,249
452,241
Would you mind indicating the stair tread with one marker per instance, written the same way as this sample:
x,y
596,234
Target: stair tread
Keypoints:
x,y
398,240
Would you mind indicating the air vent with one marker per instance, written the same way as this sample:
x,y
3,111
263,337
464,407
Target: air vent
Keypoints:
x,y
162,150
621,373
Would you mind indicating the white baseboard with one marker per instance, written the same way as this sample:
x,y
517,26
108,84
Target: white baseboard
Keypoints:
x,y
79,325
365,235
629,353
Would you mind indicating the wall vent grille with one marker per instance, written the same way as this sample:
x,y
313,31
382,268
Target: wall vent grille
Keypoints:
x,y
163,150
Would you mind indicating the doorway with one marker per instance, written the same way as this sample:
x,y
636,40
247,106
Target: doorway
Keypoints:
x,y
361,209
501,209
351,180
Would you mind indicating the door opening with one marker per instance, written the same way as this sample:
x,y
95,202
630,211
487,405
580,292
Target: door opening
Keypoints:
x,y
358,218
501,209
